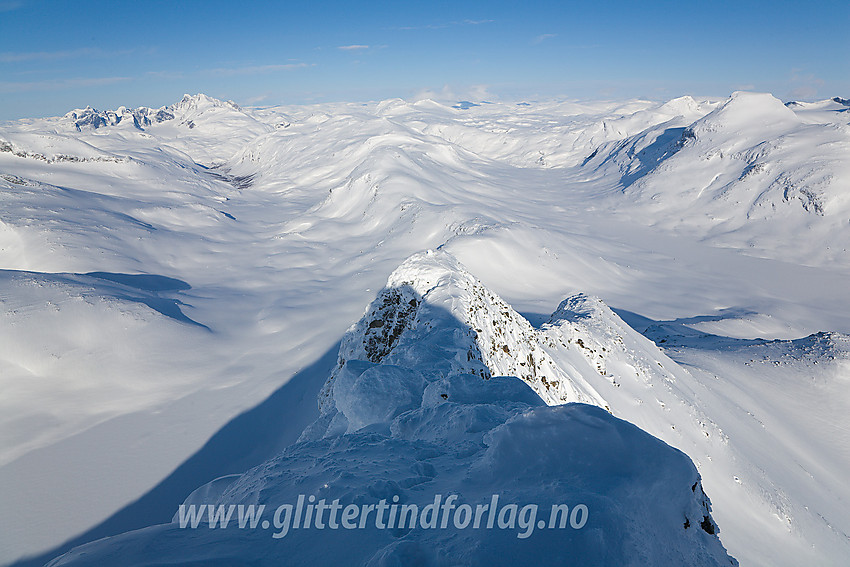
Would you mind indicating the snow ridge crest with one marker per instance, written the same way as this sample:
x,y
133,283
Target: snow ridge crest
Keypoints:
x,y
437,318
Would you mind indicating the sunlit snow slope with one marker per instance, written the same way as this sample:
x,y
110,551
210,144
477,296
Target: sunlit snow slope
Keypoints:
x,y
166,270
412,412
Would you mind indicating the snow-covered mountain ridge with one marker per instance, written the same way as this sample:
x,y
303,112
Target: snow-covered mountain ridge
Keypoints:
x,y
492,338
415,408
748,166
143,116
280,224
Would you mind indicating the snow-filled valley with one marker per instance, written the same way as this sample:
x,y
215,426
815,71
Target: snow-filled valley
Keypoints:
x,y
183,294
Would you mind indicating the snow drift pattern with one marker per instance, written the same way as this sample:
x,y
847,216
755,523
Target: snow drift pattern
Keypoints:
x,y
269,212
418,406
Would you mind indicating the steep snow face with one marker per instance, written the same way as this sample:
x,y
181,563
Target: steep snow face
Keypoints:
x,y
643,499
417,412
751,170
743,117
586,352
310,208
759,390
431,298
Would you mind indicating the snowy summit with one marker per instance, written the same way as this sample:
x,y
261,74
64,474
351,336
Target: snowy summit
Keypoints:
x,y
599,332
413,410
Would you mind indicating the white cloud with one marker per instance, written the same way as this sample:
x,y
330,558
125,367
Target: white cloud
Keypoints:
x,y
47,55
446,93
259,69
352,47
59,84
12,57
804,92
804,85
481,92
543,37
453,94
444,25
166,75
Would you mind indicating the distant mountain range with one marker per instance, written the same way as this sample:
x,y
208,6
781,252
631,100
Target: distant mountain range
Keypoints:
x,y
179,286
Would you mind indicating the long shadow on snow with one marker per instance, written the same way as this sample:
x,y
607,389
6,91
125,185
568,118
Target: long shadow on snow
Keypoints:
x,y
137,288
399,328
264,431
676,333
246,441
667,144
145,288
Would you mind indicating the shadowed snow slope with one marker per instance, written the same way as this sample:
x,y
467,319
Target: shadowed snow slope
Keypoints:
x,y
750,169
585,352
166,270
415,413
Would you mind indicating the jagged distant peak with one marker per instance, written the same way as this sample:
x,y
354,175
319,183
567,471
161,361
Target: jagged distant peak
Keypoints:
x,y
200,100
143,116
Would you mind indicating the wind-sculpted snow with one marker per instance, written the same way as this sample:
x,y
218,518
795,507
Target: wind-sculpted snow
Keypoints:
x,y
752,169
431,297
715,227
416,412
81,314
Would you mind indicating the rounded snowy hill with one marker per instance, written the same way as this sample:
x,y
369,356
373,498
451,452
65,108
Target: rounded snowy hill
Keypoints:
x,y
752,171
176,291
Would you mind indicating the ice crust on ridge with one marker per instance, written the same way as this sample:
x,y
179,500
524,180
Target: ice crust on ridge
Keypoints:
x,y
583,353
431,296
411,412
330,198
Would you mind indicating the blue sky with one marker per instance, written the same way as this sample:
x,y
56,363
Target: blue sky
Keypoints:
x,y
59,55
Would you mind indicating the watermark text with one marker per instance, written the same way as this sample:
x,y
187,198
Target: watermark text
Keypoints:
x,y
442,513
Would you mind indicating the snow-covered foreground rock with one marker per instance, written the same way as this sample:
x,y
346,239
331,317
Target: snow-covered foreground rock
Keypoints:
x,y
415,416
164,271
